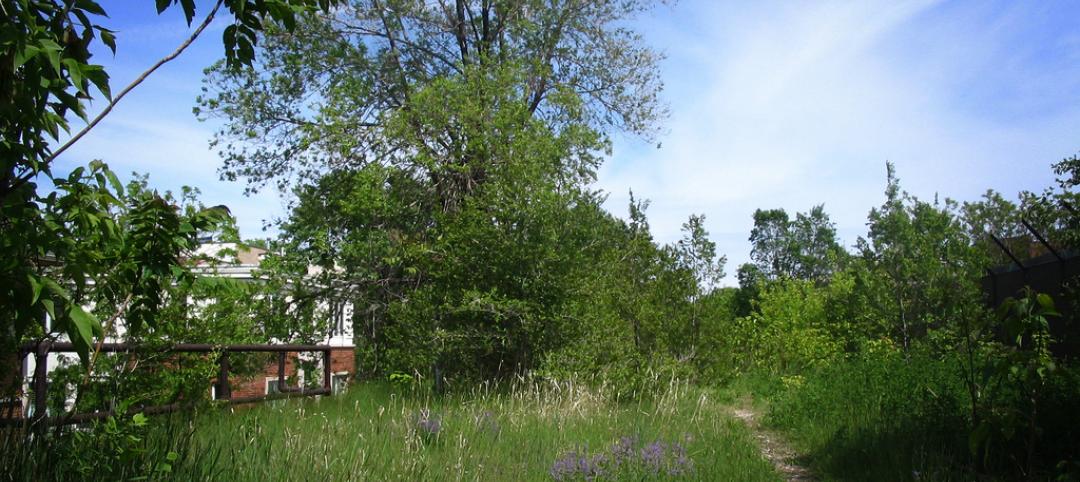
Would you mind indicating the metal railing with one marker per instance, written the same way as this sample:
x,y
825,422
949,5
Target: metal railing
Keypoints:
x,y
42,349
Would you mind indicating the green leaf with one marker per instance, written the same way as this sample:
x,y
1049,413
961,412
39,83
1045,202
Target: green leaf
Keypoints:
x,y
108,39
52,51
162,5
56,289
95,325
91,6
113,180
76,174
50,307
1045,300
97,75
82,330
245,51
35,288
189,9
24,55
82,18
74,69
228,37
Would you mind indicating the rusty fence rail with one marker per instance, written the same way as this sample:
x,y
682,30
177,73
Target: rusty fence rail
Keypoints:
x,y
42,349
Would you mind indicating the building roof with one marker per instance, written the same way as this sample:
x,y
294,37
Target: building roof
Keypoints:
x,y
230,260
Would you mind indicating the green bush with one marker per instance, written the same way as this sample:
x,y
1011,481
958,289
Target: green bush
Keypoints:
x,y
789,330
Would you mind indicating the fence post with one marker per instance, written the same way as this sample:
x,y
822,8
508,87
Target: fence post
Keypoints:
x,y
41,382
326,372
281,385
224,391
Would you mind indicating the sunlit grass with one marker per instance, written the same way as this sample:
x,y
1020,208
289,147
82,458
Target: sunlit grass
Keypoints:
x,y
379,432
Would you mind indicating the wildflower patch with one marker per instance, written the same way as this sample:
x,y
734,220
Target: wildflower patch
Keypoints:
x,y
628,457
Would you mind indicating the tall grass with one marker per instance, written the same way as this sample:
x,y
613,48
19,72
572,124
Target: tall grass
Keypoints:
x,y
531,431
115,449
877,418
907,417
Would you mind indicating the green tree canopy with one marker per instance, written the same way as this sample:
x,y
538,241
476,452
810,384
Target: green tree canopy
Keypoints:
x,y
325,96
803,248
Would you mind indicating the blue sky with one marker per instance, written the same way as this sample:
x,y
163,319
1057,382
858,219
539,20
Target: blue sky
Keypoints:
x,y
773,104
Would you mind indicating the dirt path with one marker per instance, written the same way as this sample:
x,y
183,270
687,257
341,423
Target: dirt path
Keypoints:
x,y
772,445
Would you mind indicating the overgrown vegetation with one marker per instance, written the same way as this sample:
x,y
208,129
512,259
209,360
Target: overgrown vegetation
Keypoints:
x,y
441,161
533,430
895,367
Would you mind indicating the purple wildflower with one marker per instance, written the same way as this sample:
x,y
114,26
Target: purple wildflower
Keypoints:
x,y
577,465
623,450
625,454
652,455
564,468
681,463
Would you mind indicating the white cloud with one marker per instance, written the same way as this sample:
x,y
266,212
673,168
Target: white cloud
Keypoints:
x,y
798,105
164,141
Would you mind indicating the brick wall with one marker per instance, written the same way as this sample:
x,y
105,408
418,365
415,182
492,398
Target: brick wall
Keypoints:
x,y
341,360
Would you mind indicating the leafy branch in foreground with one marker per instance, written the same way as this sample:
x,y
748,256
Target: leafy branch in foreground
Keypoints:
x,y
63,245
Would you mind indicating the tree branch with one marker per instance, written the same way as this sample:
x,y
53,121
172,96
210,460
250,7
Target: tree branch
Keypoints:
x,y
135,83
366,31
459,32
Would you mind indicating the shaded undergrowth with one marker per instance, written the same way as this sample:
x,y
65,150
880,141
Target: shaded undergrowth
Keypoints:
x,y
899,418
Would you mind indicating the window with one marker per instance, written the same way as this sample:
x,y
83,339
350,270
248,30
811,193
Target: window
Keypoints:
x,y
337,318
341,319
339,382
272,386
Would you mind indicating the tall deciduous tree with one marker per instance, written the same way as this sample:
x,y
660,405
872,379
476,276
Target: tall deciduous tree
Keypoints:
x,y
922,267
996,216
322,97
815,249
478,287
441,155
697,255
1056,212
803,248
770,241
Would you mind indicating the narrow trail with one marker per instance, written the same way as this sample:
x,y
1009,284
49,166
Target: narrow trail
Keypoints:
x,y
773,447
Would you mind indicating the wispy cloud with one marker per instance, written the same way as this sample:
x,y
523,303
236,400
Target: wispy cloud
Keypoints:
x,y
164,141
792,105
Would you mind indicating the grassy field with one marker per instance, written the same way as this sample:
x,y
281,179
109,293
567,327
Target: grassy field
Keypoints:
x,y
533,431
